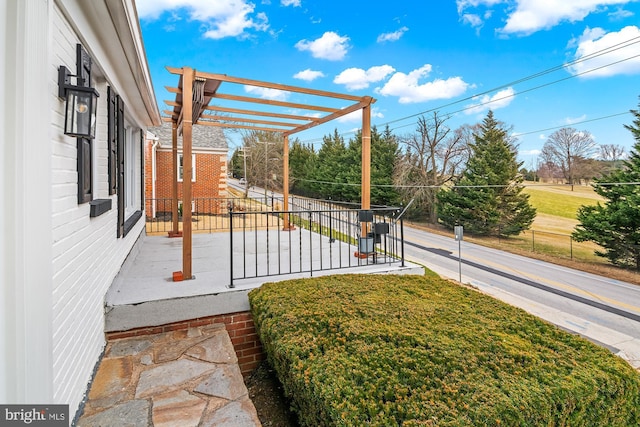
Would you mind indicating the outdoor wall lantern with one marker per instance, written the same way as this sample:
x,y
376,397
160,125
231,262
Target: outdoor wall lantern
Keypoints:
x,y
81,99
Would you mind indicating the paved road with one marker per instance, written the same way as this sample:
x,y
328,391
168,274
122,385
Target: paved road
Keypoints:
x,y
604,310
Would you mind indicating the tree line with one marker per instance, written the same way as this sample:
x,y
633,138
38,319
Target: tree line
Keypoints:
x,y
467,176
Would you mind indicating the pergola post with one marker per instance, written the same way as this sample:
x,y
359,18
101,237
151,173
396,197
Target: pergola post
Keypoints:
x,y
187,173
366,158
285,182
174,185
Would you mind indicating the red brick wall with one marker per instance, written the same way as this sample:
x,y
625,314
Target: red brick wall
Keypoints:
x,y
240,327
211,171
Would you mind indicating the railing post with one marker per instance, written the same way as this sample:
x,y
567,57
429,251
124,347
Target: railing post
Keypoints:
x,y
402,241
231,285
310,242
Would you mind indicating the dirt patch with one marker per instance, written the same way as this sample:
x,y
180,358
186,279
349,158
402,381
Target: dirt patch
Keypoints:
x,y
265,391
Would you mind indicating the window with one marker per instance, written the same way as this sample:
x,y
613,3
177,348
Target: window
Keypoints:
x,y
193,167
124,147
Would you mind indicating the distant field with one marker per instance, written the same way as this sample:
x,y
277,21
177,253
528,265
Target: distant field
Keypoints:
x,y
560,201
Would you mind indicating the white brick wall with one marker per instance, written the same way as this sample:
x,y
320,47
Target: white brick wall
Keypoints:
x,y
86,253
56,263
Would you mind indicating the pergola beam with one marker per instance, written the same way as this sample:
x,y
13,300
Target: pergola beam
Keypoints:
x,y
259,83
248,120
260,113
236,126
189,109
274,102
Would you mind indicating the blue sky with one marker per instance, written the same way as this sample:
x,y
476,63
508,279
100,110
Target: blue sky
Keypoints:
x,y
460,57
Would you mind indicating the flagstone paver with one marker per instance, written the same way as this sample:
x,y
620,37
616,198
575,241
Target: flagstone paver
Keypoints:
x,y
133,413
178,408
223,383
179,378
235,414
170,375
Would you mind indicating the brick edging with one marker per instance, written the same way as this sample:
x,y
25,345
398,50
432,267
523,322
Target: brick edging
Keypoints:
x,y
240,327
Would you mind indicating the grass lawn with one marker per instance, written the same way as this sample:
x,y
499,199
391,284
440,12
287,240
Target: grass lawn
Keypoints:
x,y
560,201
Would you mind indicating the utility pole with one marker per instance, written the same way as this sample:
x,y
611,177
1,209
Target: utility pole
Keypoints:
x,y
244,173
266,165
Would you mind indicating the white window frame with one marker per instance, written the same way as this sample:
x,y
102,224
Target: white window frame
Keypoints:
x,y
130,161
180,167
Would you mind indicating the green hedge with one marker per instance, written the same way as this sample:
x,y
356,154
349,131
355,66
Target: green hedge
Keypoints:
x,y
359,350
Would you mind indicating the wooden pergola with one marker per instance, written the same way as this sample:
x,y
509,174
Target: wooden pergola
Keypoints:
x,y
195,91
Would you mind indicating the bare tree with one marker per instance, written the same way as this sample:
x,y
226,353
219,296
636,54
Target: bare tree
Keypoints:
x,y
612,152
566,148
612,156
433,156
264,152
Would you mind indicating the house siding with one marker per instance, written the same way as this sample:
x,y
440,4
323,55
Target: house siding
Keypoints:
x,y
56,262
86,254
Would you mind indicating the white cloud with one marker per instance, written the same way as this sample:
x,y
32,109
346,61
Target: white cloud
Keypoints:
x,y
594,40
294,3
542,137
330,46
356,116
267,93
620,14
462,5
308,75
357,78
525,17
535,15
499,100
392,37
533,152
409,90
573,120
472,19
221,18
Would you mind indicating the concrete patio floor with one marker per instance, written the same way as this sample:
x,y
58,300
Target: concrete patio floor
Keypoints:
x,y
144,294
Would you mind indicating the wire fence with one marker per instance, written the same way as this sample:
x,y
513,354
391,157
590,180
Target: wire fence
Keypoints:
x,y
554,244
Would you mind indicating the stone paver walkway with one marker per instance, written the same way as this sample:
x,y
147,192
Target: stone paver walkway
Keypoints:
x,y
180,378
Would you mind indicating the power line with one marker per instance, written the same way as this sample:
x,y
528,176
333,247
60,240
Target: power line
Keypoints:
x,y
593,55
470,107
351,184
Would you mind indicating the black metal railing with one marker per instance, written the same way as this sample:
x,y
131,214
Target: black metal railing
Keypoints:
x,y
275,242
208,214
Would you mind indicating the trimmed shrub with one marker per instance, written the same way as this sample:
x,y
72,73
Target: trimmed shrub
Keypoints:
x,y
370,350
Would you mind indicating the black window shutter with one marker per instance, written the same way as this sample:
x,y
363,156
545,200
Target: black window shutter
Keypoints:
x,y
85,187
120,160
83,145
112,140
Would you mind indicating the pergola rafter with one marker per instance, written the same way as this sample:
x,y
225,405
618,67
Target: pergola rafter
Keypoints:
x,y
195,91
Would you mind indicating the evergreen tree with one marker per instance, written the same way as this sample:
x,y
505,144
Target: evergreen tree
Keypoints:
x,y
332,168
384,154
302,160
487,199
615,226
